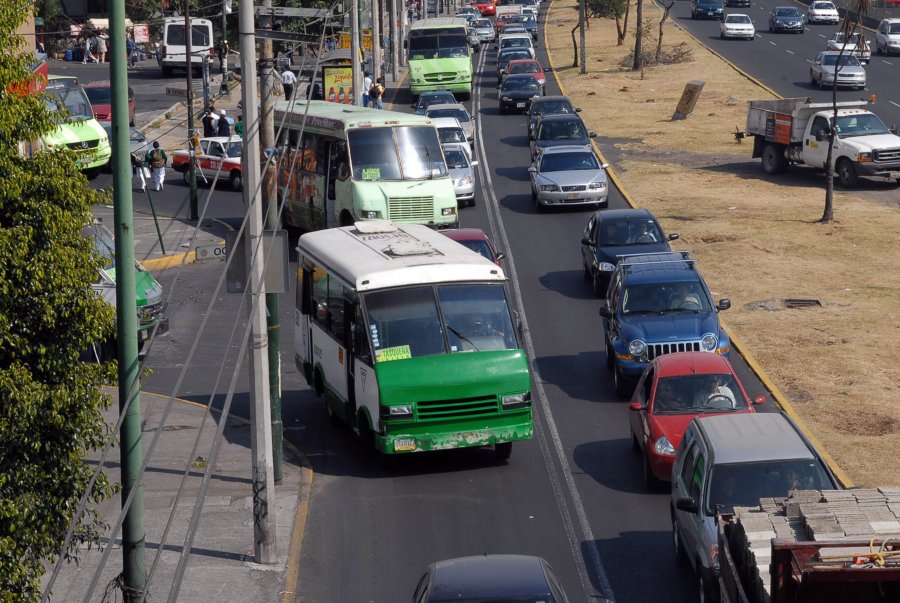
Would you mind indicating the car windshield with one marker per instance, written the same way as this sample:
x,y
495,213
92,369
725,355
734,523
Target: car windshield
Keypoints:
x,y
460,114
234,150
456,158
515,43
524,68
894,28
482,23
840,38
694,394
744,484
72,97
479,246
629,232
512,53
444,319
415,155
564,162
571,129
737,19
551,108
448,135
99,96
846,60
521,83
427,100
863,124
823,5
684,296
787,12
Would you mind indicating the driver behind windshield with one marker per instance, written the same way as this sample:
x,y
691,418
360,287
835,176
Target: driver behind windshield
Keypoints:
x,y
714,387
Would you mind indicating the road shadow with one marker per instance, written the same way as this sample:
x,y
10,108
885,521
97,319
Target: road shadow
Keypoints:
x,y
613,463
581,376
570,283
519,203
516,174
797,177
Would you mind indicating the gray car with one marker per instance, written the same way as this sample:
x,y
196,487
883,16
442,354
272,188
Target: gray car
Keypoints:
x,y
485,30
568,175
457,110
462,172
849,71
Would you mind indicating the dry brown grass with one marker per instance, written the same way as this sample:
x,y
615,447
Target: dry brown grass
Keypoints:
x,y
758,239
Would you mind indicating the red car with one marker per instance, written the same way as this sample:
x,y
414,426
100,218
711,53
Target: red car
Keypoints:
x,y
476,240
485,7
673,390
532,66
99,93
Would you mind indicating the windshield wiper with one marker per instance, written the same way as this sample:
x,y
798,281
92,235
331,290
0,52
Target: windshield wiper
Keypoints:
x,y
462,337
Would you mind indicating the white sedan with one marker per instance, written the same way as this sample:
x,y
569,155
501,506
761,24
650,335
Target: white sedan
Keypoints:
x,y
822,11
737,26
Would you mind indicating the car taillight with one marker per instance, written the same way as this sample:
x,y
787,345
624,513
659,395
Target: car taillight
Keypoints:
x,y
212,51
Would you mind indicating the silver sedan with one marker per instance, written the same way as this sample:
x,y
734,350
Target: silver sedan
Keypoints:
x,y
462,171
568,175
849,72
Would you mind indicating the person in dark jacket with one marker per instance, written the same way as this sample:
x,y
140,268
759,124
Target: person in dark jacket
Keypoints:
x,y
208,121
223,128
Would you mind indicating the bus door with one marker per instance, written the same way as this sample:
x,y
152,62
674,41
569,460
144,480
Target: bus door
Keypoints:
x,y
350,328
364,384
338,173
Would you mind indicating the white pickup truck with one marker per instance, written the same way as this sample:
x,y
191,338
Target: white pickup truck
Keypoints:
x,y
795,130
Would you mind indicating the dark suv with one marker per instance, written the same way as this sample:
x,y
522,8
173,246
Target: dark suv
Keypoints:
x,y
658,304
707,9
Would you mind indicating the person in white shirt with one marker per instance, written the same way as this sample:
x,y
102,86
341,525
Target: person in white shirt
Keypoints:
x,y
713,394
367,83
288,79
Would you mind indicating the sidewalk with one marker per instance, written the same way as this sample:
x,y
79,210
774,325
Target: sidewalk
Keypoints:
x,y
221,566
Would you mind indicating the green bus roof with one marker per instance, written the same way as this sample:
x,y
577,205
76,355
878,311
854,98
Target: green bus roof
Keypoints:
x,y
437,23
338,116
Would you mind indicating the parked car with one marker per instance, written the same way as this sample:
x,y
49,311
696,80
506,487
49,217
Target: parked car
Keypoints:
x,y
476,240
549,105
726,461
532,66
462,172
558,130
490,578
612,233
449,131
100,95
568,175
737,25
850,73
485,30
517,91
510,54
457,110
219,156
673,390
786,18
658,304
887,38
854,44
427,99
822,11
707,9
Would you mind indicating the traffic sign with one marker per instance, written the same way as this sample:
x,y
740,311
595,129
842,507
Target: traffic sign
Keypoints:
x,y
286,36
285,11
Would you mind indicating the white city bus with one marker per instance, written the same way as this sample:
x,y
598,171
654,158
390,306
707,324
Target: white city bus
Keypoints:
x,y
410,338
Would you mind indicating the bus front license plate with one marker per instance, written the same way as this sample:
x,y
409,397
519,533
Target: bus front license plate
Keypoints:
x,y
404,445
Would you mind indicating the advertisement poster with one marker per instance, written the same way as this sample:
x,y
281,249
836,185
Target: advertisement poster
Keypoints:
x,y
337,84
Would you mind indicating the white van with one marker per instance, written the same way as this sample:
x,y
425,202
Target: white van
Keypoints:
x,y
172,50
516,40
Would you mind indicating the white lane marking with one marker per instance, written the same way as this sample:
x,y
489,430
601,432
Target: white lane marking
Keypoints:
x,y
772,43
555,445
886,62
789,51
809,61
821,36
893,103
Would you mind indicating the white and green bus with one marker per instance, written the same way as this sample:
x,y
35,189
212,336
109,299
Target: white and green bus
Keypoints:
x,y
80,132
439,56
410,338
340,163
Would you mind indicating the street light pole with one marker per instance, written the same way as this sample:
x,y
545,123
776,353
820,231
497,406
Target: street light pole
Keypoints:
x,y
354,51
188,34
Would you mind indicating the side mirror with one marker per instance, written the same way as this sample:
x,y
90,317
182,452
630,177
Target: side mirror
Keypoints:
x,y
673,236
547,70
723,304
821,136
604,310
759,400
636,406
604,165
474,163
587,241
592,134
686,504
893,128
532,170
502,256
577,109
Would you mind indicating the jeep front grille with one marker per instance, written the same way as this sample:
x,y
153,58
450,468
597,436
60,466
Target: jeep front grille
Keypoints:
x,y
659,349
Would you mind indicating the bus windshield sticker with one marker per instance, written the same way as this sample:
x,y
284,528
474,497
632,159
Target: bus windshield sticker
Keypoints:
x,y
400,352
371,174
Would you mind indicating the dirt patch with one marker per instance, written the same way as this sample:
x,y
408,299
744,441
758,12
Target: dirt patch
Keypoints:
x,y
757,238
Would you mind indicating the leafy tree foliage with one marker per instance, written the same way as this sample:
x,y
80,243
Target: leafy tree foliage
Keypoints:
x,y
50,402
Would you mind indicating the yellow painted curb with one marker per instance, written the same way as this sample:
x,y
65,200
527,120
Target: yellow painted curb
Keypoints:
x,y
780,399
169,261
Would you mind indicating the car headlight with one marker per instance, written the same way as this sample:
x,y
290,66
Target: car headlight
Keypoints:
x,y
464,181
864,157
513,401
606,267
708,342
637,348
369,214
595,186
664,446
549,188
448,211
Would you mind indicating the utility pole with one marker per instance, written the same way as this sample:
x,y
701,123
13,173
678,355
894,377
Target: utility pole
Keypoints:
x,y
226,8
260,412
188,34
270,209
395,39
354,51
376,40
134,573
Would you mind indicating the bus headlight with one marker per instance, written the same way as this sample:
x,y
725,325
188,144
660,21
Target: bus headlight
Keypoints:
x,y
403,411
709,342
369,214
637,348
448,211
515,401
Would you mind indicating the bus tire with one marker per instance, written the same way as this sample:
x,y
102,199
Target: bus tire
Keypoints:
x,y
346,218
93,172
503,450
237,181
318,383
166,71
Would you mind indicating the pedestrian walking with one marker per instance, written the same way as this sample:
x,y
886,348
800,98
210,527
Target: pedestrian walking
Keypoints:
x,y
157,159
139,168
376,93
288,79
129,48
101,48
239,127
367,85
87,55
209,123
223,128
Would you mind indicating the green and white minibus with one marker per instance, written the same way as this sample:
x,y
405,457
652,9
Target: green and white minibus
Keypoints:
x,y
80,132
410,338
439,56
340,163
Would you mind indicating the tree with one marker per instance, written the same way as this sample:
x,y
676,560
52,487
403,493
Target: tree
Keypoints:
x,y
662,21
638,64
604,9
50,403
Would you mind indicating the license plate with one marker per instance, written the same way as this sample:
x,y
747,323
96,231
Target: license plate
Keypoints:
x,y
83,160
404,444
520,105
574,196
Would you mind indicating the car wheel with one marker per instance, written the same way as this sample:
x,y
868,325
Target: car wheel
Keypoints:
x,y
846,173
503,450
651,483
680,557
721,35
598,285
586,272
812,77
186,174
236,180
610,356
623,387
709,589
635,445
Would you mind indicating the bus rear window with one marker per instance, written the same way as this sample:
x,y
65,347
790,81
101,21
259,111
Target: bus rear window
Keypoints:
x,y
200,35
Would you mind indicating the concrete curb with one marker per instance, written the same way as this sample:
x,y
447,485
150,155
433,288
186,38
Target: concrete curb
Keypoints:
x,y
780,399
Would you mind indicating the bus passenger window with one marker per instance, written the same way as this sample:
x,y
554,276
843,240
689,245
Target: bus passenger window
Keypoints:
x,y
320,296
336,308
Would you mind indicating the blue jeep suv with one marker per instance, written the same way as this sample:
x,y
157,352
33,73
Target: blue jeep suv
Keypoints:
x,y
658,304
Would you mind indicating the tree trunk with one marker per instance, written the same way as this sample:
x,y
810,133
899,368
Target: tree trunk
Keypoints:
x,y
575,45
659,42
638,63
623,31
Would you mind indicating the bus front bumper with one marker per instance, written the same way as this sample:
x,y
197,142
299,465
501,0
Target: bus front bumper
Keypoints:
x,y
509,427
455,87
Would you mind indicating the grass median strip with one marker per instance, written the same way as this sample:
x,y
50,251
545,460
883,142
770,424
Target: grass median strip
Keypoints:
x,y
757,238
